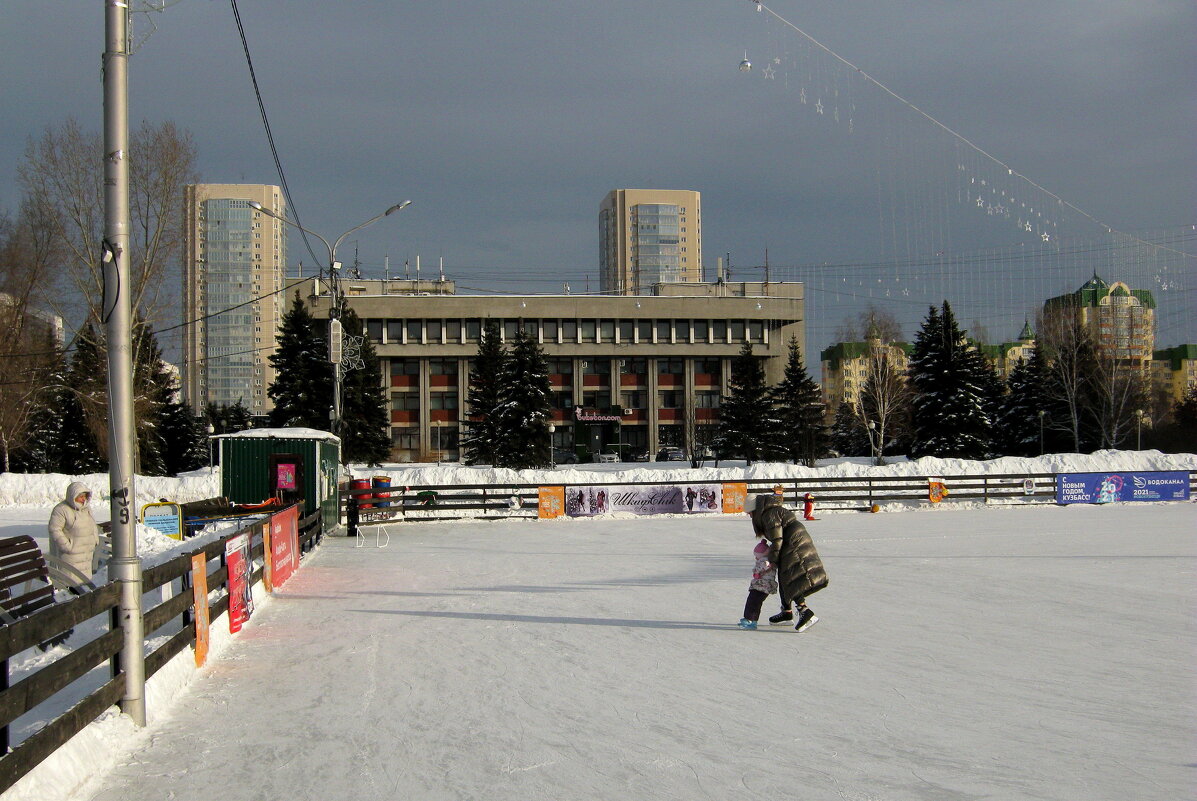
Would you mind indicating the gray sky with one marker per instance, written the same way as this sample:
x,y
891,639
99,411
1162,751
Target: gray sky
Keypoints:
x,y
506,123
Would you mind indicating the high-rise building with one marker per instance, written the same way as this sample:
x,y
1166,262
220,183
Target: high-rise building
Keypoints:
x,y
647,237
233,263
1120,320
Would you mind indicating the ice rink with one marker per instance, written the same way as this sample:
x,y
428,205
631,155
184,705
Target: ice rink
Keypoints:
x,y
1030,653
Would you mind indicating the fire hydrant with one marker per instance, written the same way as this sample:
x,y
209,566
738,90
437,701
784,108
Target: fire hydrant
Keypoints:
x,y
808,507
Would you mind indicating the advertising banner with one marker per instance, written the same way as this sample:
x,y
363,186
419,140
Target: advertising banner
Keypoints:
x,y
199,595
551,502
937,490
644,500
734,494
241,600
282,546
1121,486
164,517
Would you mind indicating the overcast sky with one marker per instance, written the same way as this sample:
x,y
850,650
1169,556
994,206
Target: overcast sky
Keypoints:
x,y
507,123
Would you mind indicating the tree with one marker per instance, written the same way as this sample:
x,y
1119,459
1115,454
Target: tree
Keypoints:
x,y
1121,390
525,406
481,443
302,390
745,419
870,323
848,434
1017,428
226,419
1069,388
949,413
365,424
801,434
62,178
884,403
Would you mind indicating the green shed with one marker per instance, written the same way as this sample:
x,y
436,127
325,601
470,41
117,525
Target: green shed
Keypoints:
x,y
294,464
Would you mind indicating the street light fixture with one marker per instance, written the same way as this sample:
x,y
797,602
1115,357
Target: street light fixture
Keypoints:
x,y
211,431
1138,429
552,450
334,289
1042,412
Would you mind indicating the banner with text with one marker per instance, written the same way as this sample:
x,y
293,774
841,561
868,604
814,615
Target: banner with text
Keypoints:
x,y
1113,486
644,500
283,545
241,599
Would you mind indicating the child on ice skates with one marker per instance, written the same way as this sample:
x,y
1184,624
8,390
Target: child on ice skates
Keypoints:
x,y
764,584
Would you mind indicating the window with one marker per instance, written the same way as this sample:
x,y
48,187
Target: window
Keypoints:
x,y
700,330
737,330
634,366
569,330
625,330
562,400
510,328
671,367
405,438
706,400
670,399
415,331
707,367
663,330
589,331
374,330
557,366
405,401
644,329
600,366
681,330
442,400
756,331
549,330
442,366
633,400
607,330
405,366
453,330
473,330
598,399
719,329
434,331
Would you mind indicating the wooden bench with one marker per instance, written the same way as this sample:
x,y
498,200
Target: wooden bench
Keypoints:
x,y
25,583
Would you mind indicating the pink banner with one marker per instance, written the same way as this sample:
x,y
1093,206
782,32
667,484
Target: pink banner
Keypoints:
x,y
284,545
241,600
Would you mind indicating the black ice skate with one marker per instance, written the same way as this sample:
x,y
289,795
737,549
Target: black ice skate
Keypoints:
x,y
806,619
782,617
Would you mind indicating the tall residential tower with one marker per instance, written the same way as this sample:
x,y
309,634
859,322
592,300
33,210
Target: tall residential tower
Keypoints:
x,y
233,262
648,237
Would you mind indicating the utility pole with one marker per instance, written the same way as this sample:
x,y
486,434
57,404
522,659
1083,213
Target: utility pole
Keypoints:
x,y
124,567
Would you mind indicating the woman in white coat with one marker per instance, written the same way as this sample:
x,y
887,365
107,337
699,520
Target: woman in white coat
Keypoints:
x,y
73,531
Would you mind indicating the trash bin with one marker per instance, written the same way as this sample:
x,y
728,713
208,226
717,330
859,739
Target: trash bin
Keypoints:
x,y
363,498
382,486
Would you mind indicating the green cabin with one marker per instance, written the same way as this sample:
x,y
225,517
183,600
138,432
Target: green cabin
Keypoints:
x,y
293,464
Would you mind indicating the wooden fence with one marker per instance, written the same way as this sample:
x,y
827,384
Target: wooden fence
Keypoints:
x,y
173,615
854,493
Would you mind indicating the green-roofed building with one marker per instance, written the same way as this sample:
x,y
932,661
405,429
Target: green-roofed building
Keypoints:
x,y
1174,370
1121,320
846,364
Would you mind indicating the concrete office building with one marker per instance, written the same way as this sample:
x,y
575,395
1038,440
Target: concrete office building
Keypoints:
x,y
649,237
628,374
232,255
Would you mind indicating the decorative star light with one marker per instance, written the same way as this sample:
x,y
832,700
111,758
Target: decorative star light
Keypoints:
x,y
1045,236
776,60
1027,226
768,72
819,105
980,203
802,95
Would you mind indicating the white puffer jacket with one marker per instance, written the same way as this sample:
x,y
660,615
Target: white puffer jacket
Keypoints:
x,y
73,531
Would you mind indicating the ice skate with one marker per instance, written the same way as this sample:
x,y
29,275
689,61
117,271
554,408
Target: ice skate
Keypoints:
x,y
784,616
746,624
806,619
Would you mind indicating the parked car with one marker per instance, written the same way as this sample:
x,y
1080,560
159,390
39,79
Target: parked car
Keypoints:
x,y
639,456
671,455
564,456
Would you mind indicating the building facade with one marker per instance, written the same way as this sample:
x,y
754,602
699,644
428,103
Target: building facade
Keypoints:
x,y
233,271
845,368
628,374
1174,370
1120,320
648,237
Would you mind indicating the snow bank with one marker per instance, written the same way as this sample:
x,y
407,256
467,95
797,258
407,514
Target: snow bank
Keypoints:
x,y
41,489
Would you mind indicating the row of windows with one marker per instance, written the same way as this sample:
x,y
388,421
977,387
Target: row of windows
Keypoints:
x,y
565,366
415,332
564,400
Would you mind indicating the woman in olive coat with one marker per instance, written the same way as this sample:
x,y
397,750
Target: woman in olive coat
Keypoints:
x,y
799,569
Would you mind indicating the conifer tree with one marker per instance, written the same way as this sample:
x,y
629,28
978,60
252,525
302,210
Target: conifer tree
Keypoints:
x,y
949,416
525,406
302,390
227,419
798,403
42,451
1018,427
365,423
848,434
745,415
481,442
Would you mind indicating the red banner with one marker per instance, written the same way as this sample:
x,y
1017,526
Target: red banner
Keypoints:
x,y
241,600
283,545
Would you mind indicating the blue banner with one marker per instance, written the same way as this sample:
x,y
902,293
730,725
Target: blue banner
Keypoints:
x,y
1112,487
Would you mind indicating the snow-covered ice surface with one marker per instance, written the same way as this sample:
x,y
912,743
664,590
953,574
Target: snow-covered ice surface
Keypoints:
x,y
1017,653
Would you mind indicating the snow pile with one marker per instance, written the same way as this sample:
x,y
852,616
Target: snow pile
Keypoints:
x,y
40,489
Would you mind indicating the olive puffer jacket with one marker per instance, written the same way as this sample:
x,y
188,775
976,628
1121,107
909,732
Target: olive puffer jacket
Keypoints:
x,y
799,570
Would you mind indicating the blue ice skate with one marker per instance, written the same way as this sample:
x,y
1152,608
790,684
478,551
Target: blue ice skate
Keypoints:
x,y
746,624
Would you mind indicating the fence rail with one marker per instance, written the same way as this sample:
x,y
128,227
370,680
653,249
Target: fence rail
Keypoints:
x,y
60,619
429,502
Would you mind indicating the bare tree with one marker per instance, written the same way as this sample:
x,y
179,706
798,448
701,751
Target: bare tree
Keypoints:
x,y
62,178
871,320
884,401
1121,391
1071,366
28,339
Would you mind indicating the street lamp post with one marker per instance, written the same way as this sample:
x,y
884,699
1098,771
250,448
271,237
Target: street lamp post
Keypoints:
x,y
1138,429
1042,412
211,460
334,289
872,440
552,451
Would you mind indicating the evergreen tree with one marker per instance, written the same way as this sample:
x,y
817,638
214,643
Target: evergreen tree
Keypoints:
x,y
228,419
948,416
84,444
1018,426
365,423
1184,423
153,389
525,406
42,451
801,433
745,415
481,442
848,435
303,386
185,438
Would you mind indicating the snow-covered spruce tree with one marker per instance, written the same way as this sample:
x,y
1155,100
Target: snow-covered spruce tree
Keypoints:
x,y
42,451
303,385
153,388
525,405
848,435
746,418
798,404
481,440
948,416
365,423
1017,428
228,419
85,399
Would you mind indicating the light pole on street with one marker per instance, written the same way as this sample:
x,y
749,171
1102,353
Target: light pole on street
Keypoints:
x,y
1138,429
1042,412
552,450
334,290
